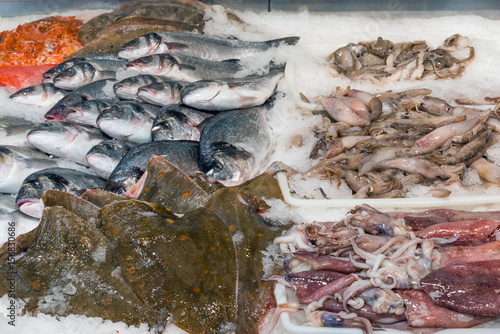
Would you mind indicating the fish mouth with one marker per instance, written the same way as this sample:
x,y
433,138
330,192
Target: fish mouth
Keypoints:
x,y
55,117
32,207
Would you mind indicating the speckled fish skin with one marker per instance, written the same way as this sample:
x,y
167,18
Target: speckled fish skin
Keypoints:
x,y
181,154
127,88
163,93
231,93
178,122
16,163
185,68
235,146
105,156
87,72
65,140
63,179
13,131
204,46
43,95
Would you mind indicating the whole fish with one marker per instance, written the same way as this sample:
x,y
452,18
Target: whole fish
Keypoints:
x,y
43,95
105,156
96,90
13,131
185,68
128,121
227,94
86,112
161,93
64,179
49,75
65,140
16,163
182,154
235,146
178,122
127,88
87,72
204,46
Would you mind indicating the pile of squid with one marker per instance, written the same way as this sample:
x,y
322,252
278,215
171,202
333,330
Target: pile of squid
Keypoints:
x,y
434,269
382,145
382,61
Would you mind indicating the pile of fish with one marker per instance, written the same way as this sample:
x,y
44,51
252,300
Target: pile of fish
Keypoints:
x,y
404,270
382,145
382,61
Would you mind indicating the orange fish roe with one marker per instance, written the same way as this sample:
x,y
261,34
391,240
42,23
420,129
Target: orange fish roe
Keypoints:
x,y
46,41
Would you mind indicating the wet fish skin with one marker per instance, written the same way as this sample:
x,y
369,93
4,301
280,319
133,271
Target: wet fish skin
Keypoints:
x,y
182,154
204,46
178,122
127,88
86,112
65,140
63,179
163,93
232,93
43,95
87,72
235,146
105,156
13,131
185,68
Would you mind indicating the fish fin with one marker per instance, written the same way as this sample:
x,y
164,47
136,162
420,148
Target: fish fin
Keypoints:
x,y
186,67
286,40
232,61
175,46
231,150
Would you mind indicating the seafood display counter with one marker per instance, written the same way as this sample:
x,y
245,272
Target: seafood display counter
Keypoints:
x,y
261,167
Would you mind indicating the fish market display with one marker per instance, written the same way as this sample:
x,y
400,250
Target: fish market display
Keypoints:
x,y
382,61
374,268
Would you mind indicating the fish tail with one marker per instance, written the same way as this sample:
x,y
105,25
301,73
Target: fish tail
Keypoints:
x,y
286,40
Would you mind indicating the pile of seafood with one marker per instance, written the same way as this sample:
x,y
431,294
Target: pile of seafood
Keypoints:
x,y
383,144
383,61
406,270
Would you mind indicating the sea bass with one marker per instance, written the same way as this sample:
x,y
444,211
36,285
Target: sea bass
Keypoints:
x,y
182,154
16,163
65,140
128,121
227,94
86,112
178,122
63,179
127,88
235,146
13,131
105,156
215,48
87,72
43,95
161,93
185,68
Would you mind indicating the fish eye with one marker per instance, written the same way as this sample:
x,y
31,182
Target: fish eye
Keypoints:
x,y
157,85
108,146
218,166
70,71
422,106
147,59
119,191
370,191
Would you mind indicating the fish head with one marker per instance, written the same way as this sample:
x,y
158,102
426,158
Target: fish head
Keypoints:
x,y
149,64
28,95
200,92
140,47
28,198
230,165
169,129
105,156
158,92
127,88
52,135
75,76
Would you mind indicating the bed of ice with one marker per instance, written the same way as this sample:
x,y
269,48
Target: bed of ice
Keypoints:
x,y
321,34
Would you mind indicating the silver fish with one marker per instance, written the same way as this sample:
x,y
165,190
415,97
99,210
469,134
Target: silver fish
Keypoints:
x,y
128,121
178,122
13,131
161,93
235,146
227,94
86,72
65,140
127,88
185,68
43,95
182,154
63,179
86,112
16,163
105,156
194,45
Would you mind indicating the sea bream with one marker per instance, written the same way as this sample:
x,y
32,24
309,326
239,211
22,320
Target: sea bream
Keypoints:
x,y
86,112
86,72
231,93
16,163
96,90
128,121
185,68
127,88
65,140
64,179
43,95
181,154
105,156
13,131
215,48
236,146
178,122
162,93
